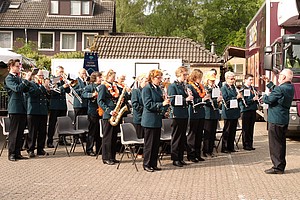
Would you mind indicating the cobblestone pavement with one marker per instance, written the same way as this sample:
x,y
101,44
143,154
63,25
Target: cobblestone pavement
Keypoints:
x,y
238,175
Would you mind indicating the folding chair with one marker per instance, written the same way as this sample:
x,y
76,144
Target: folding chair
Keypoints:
x,y
129,140
64,127
218,131
238,128
101,135
5,123
165,137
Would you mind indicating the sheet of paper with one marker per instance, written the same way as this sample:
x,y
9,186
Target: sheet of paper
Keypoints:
x,y
246,92
215,92
178,100
233,103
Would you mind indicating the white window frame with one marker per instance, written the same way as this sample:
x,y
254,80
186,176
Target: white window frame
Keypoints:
x,y
83,34
80,7
54,13
39,41
75,41
11,39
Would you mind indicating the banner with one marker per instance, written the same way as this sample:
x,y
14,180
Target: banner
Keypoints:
x,y
90,62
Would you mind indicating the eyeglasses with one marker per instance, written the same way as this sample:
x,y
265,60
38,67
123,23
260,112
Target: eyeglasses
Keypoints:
x,y
232,79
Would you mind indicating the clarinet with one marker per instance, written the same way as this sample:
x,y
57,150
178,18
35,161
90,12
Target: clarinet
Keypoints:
x,y
243,99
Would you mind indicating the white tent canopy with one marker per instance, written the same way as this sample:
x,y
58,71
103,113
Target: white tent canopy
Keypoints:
x,y
6,55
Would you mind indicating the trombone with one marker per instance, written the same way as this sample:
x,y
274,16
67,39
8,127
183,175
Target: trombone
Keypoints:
x,y
72,83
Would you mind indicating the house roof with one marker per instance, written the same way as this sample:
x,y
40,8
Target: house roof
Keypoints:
x,y
33,14
149,47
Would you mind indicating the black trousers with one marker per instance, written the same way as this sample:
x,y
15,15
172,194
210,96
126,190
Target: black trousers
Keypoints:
x,y
178,138
52,122
93,134
248,121
277,145
194,138
228,136
139,130
109,140
79,111
151,146
210,129
16,132
37,127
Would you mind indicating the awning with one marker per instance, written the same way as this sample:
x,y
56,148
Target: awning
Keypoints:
x,y
231,52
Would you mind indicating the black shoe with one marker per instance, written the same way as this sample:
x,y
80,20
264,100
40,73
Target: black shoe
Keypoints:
x,y
205,154
195,160
247,148
182,162
274,171
12,157
252,148
42,153
31,154
20,157
108,162
90,153
200,159
148,169
177,163
50,145
233,151
156,168
115,161
224,151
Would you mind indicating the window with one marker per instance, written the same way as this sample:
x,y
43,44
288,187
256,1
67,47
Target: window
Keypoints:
x,y
68,41
239,68
75,7
85,7
6,39
46,41
87,40
54,7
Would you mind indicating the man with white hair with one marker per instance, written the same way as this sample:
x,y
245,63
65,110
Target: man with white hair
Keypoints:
x,y
279,101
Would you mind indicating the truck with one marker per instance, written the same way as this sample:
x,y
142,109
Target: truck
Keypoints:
x,y
273,44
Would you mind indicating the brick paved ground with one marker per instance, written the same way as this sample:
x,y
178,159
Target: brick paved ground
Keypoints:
x,y
229,176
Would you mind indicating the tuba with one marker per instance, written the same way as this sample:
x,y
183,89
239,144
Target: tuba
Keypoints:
x,y
114,120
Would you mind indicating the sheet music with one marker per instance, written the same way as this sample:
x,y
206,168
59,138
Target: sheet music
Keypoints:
x,y
215,92
246,92
178,100
233,103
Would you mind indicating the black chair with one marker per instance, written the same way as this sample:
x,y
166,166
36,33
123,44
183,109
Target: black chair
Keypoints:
x,y
129,140
165,137
101,136
64,127
128,119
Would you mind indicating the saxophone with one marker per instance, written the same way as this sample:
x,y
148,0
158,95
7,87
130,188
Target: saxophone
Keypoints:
x,y
114,120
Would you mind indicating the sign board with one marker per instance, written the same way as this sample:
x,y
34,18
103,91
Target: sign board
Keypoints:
x,y
90,62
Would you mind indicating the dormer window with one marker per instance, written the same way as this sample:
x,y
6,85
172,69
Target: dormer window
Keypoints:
x,y
71,7
80,7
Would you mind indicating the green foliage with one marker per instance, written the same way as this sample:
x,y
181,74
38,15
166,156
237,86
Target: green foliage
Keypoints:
x,y
76,54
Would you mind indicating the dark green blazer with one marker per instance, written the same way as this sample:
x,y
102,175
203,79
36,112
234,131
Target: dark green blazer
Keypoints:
x,y
211,107
106,101
154,110
37,100
279,101
198,112
229,93
79,90
137,105
177,88
58,100
15,86
251,105
87,94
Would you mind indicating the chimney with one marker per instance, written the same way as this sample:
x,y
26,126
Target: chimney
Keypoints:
x,y
212,48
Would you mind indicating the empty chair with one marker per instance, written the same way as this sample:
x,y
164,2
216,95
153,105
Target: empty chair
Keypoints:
x,y
129,140
165,137
64,127
82,123
128,120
